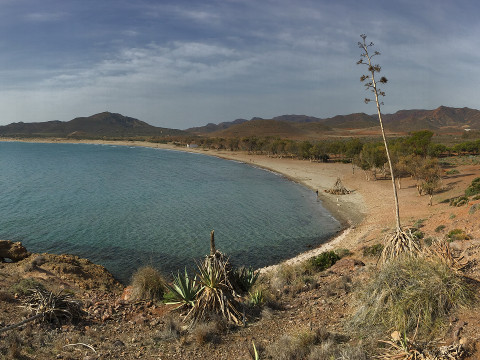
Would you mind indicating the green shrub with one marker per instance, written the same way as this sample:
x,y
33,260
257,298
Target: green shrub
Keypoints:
x,y
25,286
323,261
476,197
373,250
428,241
473,188
457,234
452,172
440,228
417,234
147,284
410,292
419,223
459,201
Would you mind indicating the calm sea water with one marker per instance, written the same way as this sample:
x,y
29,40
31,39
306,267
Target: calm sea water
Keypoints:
x,y
124,207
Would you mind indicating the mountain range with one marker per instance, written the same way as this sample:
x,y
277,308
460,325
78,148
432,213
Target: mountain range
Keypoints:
x,y
441,120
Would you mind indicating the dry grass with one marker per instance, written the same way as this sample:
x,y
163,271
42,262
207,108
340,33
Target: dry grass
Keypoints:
x,y
147,284
317,344
410,295
206,332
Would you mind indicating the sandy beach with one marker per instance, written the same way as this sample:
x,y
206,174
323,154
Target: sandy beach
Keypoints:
x,y
367,213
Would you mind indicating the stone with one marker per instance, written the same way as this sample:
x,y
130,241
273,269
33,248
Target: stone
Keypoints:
x,y
14,251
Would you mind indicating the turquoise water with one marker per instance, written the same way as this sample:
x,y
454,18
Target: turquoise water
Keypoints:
x,y
124,207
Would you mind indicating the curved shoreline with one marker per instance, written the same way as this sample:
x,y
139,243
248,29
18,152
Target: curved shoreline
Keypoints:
x,y
349,211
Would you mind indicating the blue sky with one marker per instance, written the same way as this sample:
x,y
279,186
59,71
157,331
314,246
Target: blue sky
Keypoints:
x,y
179,63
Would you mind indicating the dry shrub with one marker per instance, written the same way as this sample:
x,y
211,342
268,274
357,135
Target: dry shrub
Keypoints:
x,y
6,296
331,350
298,346
292,278
410,294
171,331
147,284
13,346
206,332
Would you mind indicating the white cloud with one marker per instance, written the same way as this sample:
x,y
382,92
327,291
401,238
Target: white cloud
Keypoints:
x,y
45,16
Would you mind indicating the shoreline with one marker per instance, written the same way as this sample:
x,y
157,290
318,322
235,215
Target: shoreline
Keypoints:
x,y
349,210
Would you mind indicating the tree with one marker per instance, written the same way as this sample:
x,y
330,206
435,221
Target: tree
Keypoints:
x,y
400,241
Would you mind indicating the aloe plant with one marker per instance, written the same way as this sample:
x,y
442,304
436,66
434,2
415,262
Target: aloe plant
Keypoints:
x,y
184,290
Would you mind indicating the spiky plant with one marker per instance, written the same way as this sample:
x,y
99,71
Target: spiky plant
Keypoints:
x,y
400,241
184,290
217,295
244,278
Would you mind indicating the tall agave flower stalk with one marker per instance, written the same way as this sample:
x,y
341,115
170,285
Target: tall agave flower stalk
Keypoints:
x,y
400,241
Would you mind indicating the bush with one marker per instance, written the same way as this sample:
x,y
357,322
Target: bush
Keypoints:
x,y
457,234
440,228
452,172
323,261
373,250
147,284
25,286
473,188
428,241
459,201
417,234
410,292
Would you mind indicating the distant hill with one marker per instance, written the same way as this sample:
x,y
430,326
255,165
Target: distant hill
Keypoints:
x,y
262,127
210,127
104,124
441,120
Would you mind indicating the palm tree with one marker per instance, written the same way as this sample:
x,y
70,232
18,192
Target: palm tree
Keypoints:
x,y
400,241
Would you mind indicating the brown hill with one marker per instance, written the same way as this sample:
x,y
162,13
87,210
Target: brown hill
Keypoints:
x,y
211,127
442,119
352,121
104,124
262,127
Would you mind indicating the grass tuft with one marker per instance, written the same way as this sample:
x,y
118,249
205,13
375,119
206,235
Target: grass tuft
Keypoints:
x,y
147,284
410,292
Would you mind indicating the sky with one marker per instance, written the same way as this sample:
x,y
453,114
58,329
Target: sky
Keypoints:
x,y
180,63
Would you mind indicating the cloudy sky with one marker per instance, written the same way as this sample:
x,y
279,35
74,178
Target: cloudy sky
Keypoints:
x,y
180,63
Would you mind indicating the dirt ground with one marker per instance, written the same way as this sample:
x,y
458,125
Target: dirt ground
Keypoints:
x,y
119,329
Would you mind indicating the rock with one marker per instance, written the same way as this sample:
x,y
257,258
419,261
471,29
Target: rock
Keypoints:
x,y
118,343
127,294
14,251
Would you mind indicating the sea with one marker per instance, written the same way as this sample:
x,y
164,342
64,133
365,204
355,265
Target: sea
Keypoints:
x,y
126,207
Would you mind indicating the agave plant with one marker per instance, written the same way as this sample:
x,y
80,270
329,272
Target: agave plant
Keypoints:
x,y
184,290
217,293
244,278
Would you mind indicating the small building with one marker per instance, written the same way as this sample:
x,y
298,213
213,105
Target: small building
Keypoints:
x,y
192,146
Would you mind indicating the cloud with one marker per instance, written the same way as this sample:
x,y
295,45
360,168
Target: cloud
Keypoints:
x,y
42,17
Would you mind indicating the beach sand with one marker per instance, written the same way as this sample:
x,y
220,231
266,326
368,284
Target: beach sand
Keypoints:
x,y
366,214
